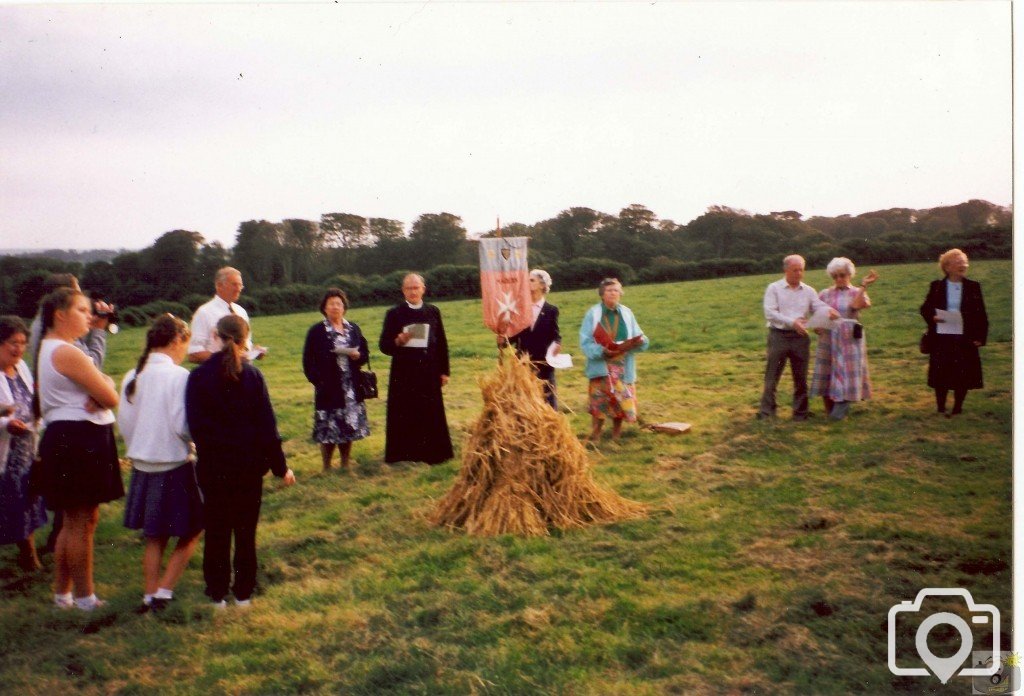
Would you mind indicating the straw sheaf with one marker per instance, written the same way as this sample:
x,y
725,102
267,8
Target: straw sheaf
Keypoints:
x,y
523,469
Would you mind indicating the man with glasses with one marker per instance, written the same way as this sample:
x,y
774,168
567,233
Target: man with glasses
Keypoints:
x,y
228,286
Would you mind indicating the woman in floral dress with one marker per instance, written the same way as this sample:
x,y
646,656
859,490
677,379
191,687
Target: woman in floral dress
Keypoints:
x,y
20,512
841,363
335,350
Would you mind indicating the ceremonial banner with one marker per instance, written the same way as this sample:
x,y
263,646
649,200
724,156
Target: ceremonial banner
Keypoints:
x,y
505,284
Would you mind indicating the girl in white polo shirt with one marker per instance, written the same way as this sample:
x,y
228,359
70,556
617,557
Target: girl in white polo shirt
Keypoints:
x,y
163,498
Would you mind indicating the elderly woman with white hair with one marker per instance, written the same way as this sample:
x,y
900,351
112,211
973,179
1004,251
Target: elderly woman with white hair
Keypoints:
x,y
841,363
542,332
609,337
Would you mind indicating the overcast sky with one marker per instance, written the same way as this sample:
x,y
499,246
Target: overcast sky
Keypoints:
x,y
121,122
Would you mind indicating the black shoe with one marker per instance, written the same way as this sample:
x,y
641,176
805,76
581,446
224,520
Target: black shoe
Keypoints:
x,y
801,416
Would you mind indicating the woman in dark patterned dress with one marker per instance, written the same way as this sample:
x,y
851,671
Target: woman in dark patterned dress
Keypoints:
x,y
20,513
335,350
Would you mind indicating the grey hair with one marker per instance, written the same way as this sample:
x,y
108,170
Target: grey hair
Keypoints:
x,y
609,281
544,277
417,276
224,273
840,263
793,258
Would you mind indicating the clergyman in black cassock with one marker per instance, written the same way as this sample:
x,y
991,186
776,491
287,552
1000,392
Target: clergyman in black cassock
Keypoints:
x,y
417,428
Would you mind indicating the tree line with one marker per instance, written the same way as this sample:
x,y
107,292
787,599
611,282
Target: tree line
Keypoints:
x,y
287,264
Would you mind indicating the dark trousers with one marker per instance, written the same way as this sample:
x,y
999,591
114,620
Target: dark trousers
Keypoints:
x,y
786,345
231,512
547,375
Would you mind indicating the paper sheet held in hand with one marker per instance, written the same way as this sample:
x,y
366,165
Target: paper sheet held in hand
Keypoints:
x,y
820,320
561,361
420,335
256,353
952,323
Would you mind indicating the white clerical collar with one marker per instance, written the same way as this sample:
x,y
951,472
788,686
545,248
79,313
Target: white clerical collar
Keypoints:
x,y
414,306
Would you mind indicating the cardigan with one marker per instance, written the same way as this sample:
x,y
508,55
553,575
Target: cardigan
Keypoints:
x,y
6,397
596,364
320,365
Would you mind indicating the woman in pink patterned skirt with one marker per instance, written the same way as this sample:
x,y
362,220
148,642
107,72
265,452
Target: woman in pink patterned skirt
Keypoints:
x,y
841,363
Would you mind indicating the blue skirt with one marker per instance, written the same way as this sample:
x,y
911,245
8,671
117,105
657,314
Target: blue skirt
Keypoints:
x,y
166,504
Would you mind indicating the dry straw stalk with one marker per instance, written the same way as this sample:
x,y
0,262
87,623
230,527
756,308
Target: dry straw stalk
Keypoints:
x,y
523,469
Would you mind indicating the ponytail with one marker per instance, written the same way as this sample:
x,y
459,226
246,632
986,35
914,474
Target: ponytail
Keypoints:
x,y
233,332
59,299
129,390
161,334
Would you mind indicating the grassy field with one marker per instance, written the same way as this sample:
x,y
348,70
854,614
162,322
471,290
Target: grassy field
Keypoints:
x,y
768,564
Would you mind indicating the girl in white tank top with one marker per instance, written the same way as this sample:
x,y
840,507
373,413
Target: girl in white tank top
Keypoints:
x,y
78,457
61,398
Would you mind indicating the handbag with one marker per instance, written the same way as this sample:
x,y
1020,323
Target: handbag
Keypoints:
x,y
925,346
366,382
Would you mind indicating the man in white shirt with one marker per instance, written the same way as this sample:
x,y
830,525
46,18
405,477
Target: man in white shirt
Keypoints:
x,y
205,342
787,303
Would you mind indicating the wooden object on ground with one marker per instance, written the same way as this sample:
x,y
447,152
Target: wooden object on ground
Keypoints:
x,y
524,471
670,428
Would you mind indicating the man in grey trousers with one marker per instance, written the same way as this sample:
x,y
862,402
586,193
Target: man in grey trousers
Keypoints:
x,y
787,304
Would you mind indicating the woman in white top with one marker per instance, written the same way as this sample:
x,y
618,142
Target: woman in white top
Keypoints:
x,y
163,498
79,467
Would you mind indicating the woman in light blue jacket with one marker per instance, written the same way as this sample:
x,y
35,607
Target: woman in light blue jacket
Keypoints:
x,y
608,338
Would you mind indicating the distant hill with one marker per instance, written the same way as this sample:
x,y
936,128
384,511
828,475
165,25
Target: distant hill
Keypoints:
x,y
963,217
82,256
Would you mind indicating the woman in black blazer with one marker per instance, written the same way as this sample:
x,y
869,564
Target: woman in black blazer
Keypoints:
x,y
534,340
335,350
954,362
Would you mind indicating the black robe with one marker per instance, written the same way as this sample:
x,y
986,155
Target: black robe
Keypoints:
x,y
417,428
954,362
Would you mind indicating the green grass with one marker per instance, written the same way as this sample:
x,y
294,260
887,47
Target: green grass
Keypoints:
x,y
769,561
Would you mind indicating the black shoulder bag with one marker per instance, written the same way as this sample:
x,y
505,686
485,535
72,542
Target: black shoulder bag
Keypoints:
x,y
366,381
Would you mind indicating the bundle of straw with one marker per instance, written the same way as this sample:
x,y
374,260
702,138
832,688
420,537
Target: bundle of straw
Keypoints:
x,y
523,469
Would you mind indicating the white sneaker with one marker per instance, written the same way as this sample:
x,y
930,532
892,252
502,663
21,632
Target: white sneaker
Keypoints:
x,y
222,604
89,603
244,603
